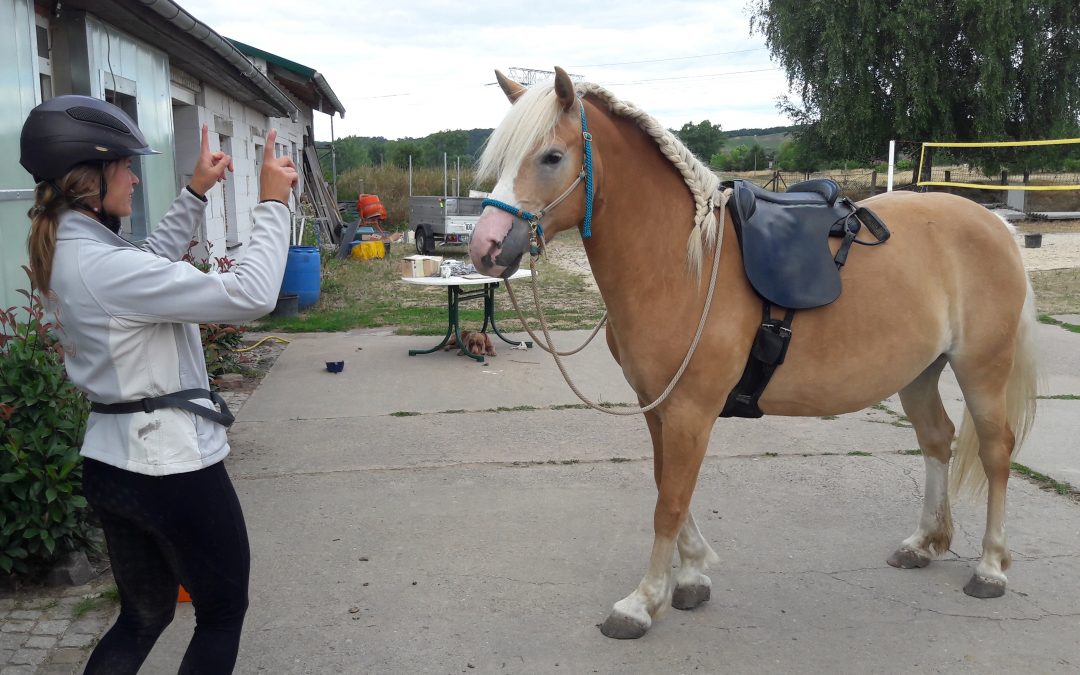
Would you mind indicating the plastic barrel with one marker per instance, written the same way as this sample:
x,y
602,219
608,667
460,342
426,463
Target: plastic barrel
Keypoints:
x,y
302,275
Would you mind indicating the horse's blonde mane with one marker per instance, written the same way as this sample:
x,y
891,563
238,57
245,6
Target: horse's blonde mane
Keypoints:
x,y
532,120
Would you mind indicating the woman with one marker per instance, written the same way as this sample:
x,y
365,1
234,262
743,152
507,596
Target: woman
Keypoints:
x,y
127,318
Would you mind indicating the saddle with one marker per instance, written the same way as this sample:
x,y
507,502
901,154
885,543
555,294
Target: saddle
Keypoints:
x,y
784,239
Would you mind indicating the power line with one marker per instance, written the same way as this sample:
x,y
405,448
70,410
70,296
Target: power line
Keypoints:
x,y
690,77
606,84
673,58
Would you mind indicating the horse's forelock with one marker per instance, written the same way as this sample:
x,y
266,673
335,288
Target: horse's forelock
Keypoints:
x,y
531,120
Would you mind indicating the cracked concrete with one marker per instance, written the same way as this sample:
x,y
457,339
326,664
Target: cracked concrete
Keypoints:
x,y
495,542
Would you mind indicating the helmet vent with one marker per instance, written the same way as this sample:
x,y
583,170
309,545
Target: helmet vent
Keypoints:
x,y
86,114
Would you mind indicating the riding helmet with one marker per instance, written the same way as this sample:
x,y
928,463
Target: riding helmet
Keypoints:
x,y
69,130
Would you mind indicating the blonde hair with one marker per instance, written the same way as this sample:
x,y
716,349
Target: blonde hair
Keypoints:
x,y
51,198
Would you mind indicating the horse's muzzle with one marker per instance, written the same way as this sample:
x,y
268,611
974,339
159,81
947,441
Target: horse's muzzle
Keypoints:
x,y
511,249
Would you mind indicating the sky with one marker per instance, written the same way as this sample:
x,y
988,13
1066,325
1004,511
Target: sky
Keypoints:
x,y
409,68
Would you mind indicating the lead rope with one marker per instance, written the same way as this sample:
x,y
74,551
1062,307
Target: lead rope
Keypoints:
x,y
719,199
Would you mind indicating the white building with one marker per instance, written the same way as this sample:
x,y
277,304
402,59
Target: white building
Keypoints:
x,y
171,73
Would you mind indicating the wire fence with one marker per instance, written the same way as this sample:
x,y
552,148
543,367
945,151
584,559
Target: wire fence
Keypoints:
x,y
854,183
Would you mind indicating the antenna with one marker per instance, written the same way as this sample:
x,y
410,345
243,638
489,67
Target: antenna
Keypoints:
x,y
530,76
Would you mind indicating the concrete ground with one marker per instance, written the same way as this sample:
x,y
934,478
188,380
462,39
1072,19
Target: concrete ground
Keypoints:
x,y
461,539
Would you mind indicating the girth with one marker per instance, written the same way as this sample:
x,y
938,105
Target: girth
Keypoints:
x,y
180,399
784,239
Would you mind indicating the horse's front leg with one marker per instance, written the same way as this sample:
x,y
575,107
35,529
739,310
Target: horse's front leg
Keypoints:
x,y
692,586
679,444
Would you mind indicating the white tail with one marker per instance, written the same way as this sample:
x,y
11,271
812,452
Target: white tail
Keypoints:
x,y
967,476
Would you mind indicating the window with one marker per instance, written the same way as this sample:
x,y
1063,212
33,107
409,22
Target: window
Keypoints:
x,y
232,235
44,60
133,227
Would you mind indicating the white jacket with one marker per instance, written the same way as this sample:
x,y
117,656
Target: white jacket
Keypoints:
x,y
127,320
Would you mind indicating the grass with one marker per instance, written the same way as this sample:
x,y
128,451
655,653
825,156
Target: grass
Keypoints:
x,y
370,294
1060,397
1050,483
1049,320
1057,292
92,602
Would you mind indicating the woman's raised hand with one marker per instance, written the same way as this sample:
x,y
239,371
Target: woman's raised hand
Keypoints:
x,y
210,167
278,175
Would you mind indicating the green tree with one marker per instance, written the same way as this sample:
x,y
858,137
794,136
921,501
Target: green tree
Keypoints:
x,y
797,155
453,143
950,70
704,139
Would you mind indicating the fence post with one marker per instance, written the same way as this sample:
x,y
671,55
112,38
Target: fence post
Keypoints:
x,y
873,182
892,160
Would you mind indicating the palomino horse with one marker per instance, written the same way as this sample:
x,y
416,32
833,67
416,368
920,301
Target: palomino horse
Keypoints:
x,y
949,287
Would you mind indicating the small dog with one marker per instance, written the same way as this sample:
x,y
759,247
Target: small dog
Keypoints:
x,y
476,342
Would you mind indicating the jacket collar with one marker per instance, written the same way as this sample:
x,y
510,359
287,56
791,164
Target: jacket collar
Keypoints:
x,y
76,225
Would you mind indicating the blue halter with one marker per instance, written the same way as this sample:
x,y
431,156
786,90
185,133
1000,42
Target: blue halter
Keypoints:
x,y
586,174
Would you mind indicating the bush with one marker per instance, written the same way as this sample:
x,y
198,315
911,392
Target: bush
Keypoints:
x,y
42,421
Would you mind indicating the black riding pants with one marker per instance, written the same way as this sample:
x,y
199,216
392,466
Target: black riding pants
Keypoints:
x,y
163,531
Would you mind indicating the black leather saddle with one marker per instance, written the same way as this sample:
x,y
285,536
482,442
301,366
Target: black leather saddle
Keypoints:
x,y
784,238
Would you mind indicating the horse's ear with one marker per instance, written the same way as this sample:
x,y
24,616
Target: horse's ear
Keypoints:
x,y
564,89
512,89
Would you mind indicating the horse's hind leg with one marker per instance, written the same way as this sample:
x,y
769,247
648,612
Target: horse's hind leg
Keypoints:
x,y
679,447
922,405
984,394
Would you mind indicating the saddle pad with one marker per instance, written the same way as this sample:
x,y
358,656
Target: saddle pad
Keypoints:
x,y
785,246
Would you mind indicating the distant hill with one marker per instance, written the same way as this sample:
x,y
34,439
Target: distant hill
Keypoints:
x,y
769,138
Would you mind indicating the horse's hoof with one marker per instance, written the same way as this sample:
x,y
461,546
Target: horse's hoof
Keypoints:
x,y
981,587
690,596
907,559
623,627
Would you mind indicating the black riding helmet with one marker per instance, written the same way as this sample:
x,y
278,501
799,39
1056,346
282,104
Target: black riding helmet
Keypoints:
x,y
70,130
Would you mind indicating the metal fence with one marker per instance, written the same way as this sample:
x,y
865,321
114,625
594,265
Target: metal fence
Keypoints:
x,y
855,183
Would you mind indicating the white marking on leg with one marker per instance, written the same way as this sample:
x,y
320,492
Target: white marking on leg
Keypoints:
x,y
653,595
936,517
695,556
996,557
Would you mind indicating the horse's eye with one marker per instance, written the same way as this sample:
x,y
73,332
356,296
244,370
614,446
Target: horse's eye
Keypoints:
x,y
552,157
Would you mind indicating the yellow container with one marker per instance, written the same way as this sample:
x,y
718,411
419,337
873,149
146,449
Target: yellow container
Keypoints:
x,y
366,250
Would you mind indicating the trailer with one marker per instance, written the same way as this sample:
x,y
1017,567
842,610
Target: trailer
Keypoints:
x,y
446,220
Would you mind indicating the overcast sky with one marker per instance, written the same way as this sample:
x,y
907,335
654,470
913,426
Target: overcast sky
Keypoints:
x,y
408,68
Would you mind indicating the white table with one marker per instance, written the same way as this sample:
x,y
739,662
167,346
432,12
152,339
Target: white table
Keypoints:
x,y
454,296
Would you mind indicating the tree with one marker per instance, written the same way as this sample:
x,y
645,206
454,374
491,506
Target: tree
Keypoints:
x,y
703,139
797,155
950,70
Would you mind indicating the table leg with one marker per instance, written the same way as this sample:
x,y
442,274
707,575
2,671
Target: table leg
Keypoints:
x,y
489,316
453,327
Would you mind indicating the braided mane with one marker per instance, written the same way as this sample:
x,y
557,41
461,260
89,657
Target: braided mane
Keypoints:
x,y
532,121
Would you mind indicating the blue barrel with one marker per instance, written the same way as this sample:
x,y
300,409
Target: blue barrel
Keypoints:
x,y
302,275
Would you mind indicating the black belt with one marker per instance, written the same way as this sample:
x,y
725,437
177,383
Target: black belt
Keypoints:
x,y
178,399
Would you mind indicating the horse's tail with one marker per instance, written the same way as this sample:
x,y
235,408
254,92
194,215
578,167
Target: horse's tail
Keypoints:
x,y
967,476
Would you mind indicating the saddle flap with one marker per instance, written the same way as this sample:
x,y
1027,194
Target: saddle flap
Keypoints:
x,y
785,245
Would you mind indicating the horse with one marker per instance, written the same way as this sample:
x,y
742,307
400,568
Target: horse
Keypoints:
x,y
948,288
